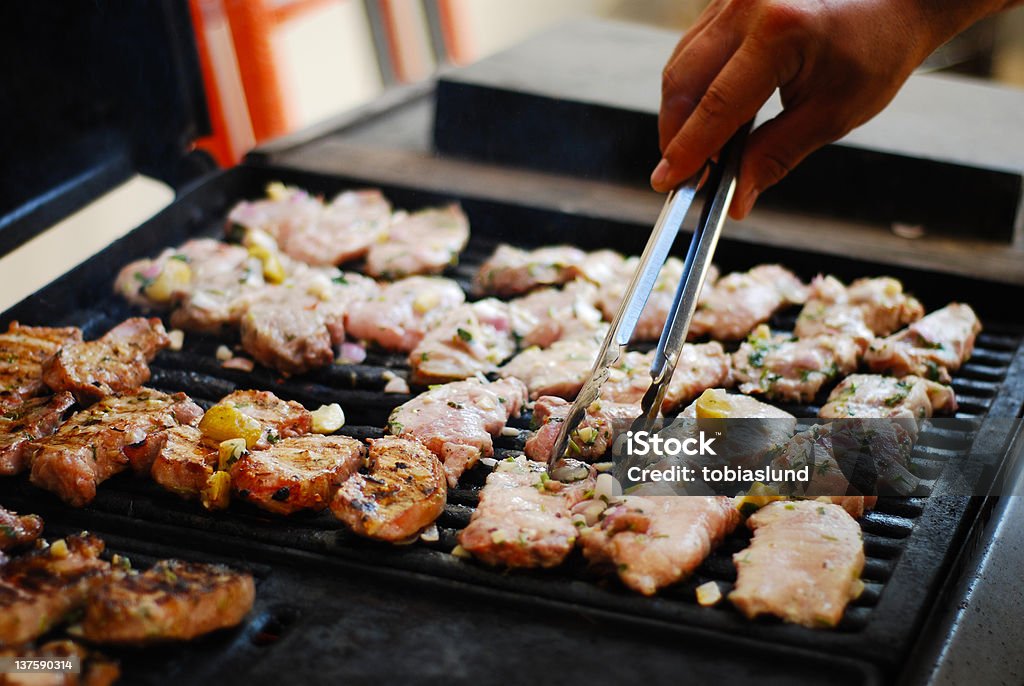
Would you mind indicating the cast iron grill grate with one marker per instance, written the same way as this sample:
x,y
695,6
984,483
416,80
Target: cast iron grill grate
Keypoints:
x,y
908,541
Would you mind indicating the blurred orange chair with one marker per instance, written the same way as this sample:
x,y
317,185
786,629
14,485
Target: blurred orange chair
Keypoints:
x,y
247,102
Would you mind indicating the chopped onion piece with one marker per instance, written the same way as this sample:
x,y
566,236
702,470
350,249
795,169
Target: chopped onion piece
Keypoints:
x,y
176,338
460,552
243,364
488,461
224,353
328,418
351,353
396,385
708,594
509,432
607,487
430,534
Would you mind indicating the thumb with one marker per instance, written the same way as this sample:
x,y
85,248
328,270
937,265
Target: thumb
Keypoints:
x,y
777,146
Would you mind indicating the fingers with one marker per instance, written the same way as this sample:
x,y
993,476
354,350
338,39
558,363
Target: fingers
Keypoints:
x,y
779,145
732,98
685,80
688,75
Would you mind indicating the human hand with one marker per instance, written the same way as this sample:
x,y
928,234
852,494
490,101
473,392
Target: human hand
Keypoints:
x,y
837,64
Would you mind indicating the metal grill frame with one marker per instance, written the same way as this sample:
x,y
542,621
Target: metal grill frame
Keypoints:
x,y
915,546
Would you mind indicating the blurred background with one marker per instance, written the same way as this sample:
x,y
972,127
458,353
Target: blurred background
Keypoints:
x,y
271,67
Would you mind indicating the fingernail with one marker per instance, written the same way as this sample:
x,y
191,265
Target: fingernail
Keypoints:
x,y
660,174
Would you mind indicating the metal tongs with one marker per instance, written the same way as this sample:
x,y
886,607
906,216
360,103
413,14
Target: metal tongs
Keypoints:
x,y
720,184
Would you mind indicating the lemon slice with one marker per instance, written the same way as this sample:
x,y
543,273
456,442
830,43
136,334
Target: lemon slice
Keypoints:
x,y
713,404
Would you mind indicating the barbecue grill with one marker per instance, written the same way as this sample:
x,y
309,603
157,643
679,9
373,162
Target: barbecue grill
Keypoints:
x,y
331,606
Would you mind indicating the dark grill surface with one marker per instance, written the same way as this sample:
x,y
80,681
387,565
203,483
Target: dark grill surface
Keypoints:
x,y
911,543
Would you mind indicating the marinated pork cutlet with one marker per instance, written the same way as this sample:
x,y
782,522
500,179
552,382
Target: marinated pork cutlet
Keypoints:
x,y
117,362
471,339
849,457
38,590
185,462
886,306
740,301
523,519
868,308
792,370
656,541
22,421
188,458
558,370
457,421
590,440
803,564
659,304
561,313
18,530
280,418
300,473
749,428
717,403
294,326
201,265
398,316
424,242
932,347
103,440
313,232
700,367
206,283
874,396
171,601
23,350
403,491
512,271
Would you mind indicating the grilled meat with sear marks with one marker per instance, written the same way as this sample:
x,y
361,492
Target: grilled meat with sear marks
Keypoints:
x,y
105,439
185,462
40,589
23,350
116,363
18,530
22,421
280,418
403,491
171,601
297,473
